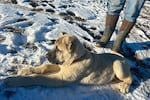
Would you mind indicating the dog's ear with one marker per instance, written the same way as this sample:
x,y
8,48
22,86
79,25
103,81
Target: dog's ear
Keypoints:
x,y
63,33
70,44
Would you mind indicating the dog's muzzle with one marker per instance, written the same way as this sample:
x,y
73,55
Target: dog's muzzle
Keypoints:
x,y
52,58
49,57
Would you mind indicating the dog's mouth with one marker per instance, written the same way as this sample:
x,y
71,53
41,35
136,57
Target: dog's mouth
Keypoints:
x,y
55,62
60,63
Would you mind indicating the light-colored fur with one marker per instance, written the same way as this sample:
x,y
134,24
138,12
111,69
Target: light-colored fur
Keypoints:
x,y
74,64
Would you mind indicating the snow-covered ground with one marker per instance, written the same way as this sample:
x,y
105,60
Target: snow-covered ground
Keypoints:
x,y
28,29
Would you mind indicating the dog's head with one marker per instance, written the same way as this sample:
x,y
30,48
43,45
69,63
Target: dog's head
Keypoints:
x,y
66,49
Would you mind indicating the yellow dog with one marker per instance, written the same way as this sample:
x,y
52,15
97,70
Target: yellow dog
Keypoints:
x,y
74,64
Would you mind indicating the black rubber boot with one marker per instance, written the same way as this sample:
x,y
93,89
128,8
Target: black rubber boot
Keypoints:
x,y
110,25
123,33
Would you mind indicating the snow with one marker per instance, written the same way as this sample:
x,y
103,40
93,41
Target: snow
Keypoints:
x,y
29,28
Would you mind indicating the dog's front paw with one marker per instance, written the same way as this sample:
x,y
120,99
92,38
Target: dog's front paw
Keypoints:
x,y
25,71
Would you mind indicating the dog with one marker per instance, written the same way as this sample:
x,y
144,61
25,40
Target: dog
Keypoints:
x,y
72,63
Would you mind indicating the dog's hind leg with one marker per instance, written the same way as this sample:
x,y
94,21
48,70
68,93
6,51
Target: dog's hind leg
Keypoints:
x,y
122,72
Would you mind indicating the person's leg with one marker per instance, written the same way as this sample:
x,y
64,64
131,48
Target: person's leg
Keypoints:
x,y
115,6
132,11
114,9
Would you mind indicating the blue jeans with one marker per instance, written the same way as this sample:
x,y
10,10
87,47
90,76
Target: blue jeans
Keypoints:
x,y
131,11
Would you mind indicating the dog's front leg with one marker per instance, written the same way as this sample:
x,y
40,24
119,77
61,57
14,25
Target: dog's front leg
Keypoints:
x,y
46,69
43,69
62,78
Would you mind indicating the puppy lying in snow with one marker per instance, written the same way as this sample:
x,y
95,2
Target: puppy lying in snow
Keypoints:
x,y
74,64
